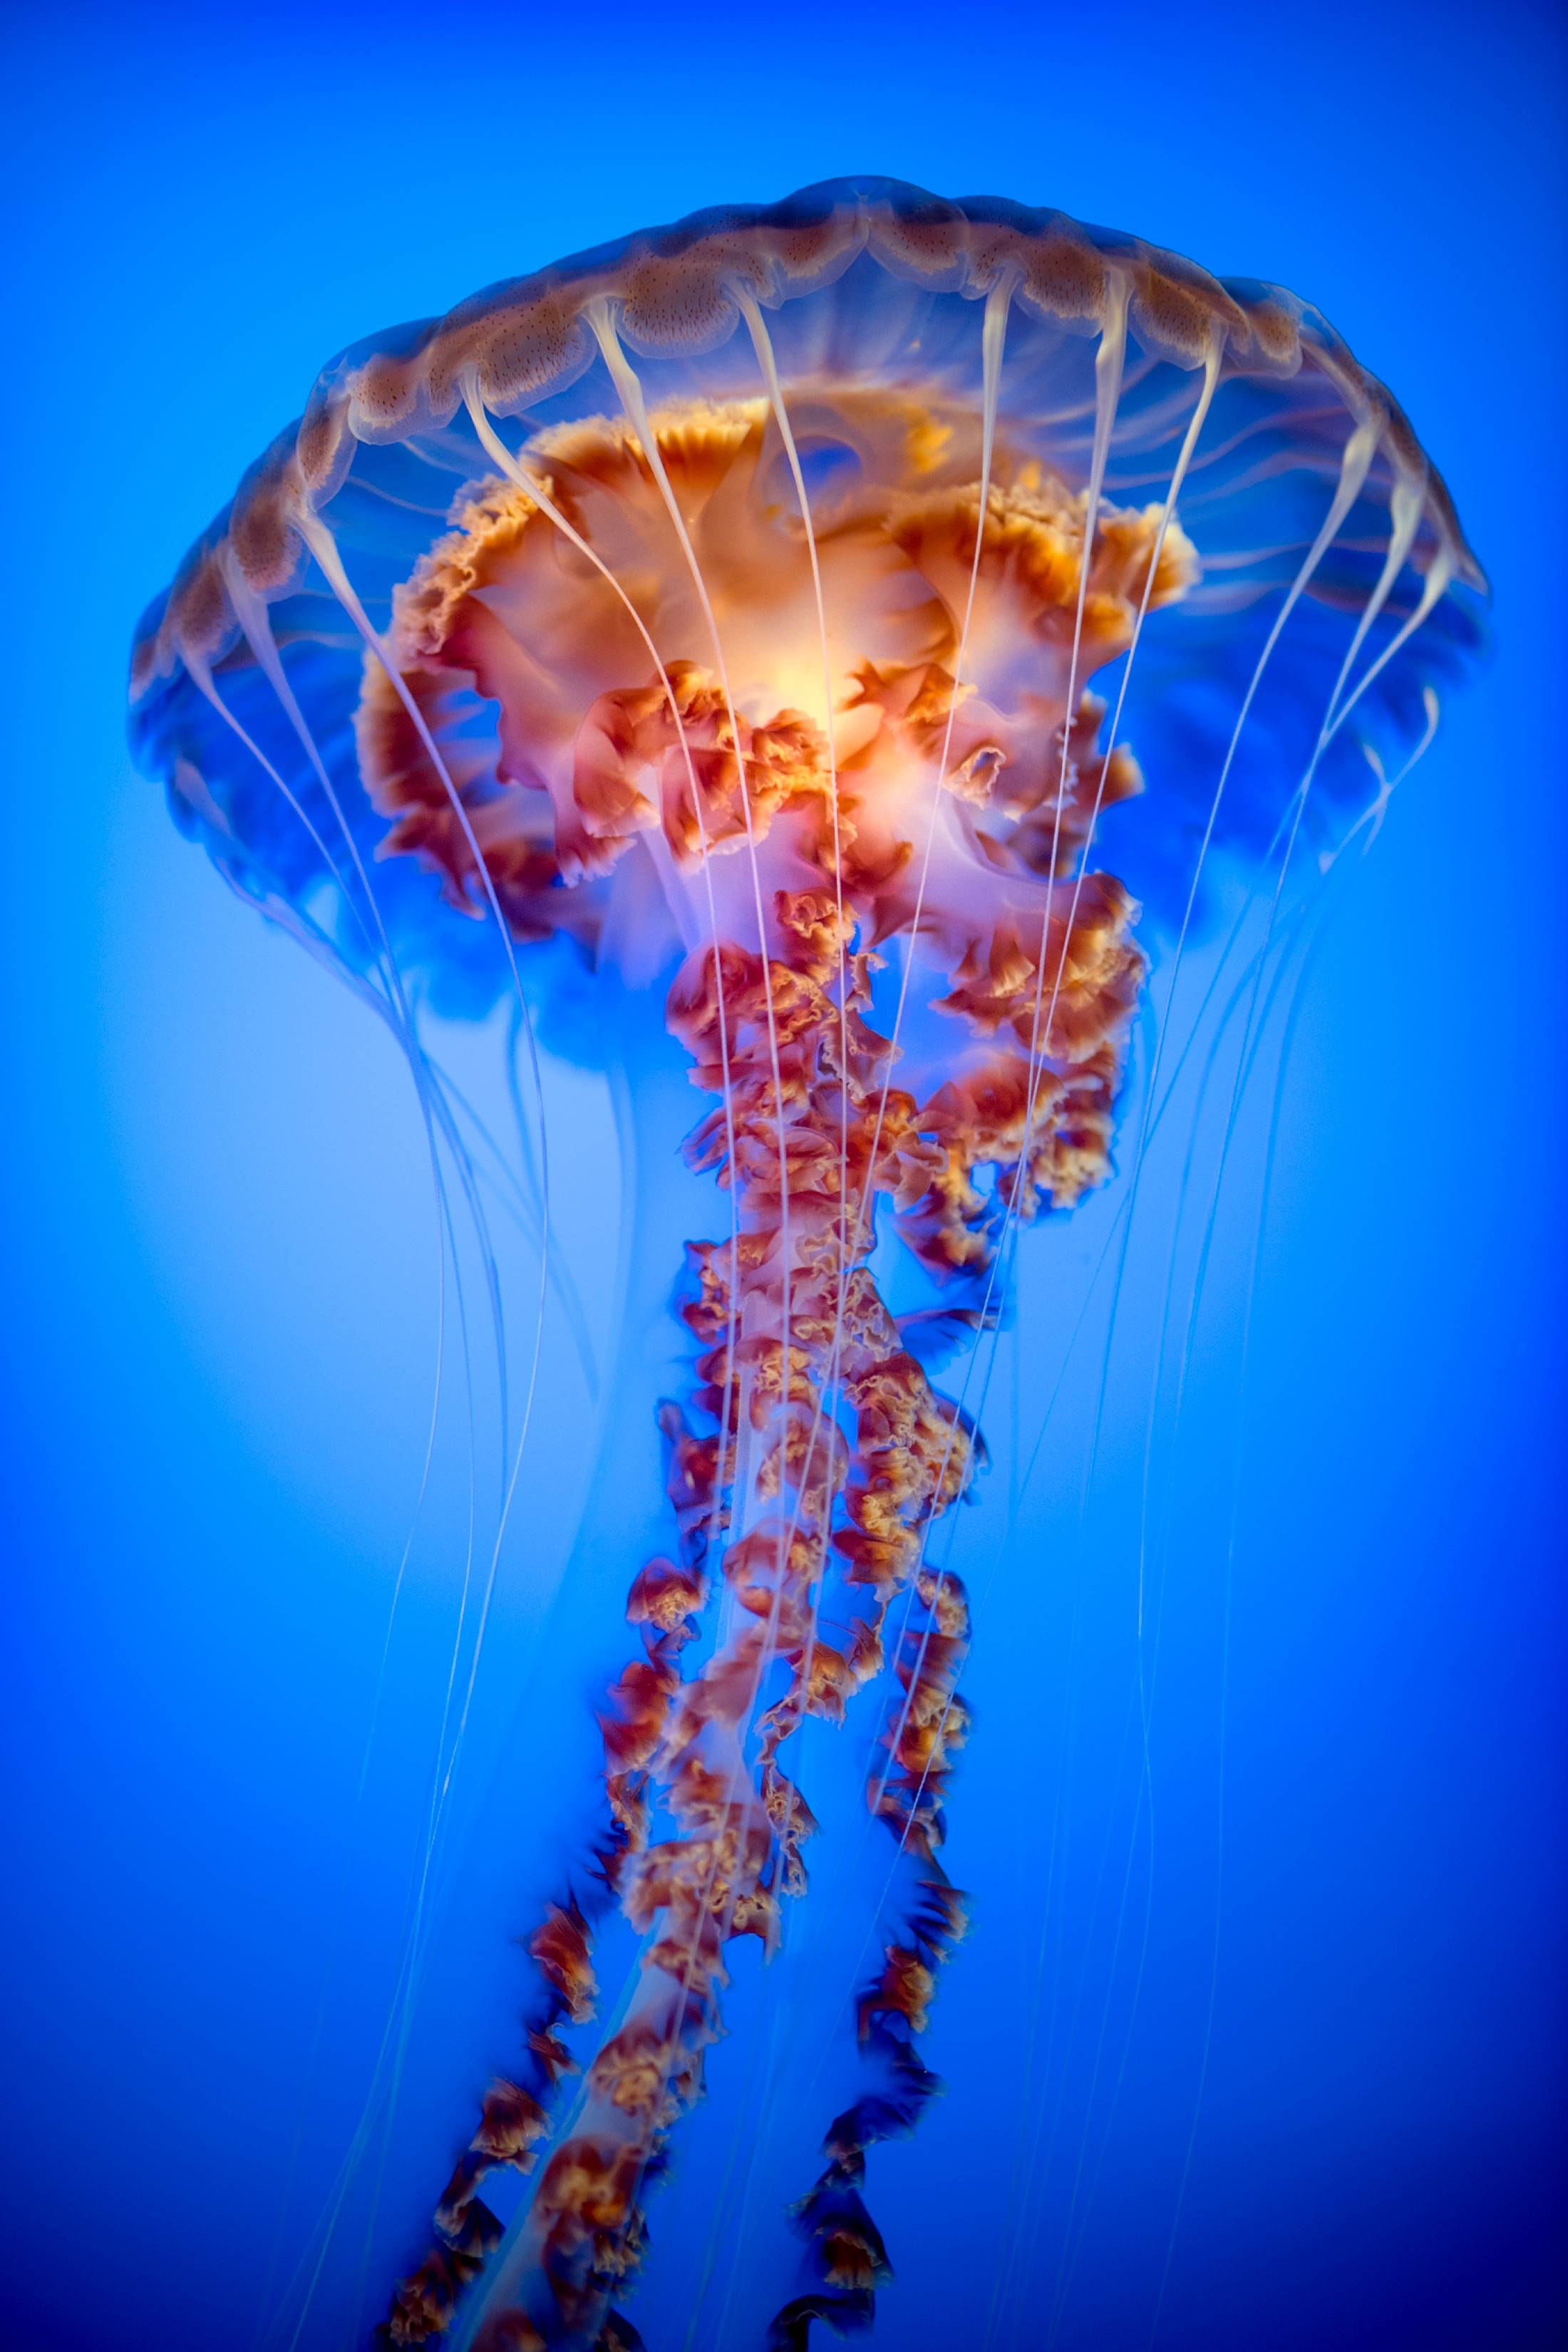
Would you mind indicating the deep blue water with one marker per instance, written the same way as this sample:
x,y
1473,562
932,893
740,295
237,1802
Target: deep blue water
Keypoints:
x,y
221,1331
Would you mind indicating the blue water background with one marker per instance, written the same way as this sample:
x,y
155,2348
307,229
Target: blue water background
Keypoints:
x,y
220,1272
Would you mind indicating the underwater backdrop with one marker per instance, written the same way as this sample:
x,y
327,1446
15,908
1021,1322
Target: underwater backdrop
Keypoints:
x,y
1257,2033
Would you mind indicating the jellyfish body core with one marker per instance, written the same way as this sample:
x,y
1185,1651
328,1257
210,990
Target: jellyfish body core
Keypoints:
x,y
757,605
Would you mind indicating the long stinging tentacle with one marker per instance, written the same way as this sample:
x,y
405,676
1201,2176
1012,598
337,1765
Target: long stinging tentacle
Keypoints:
x,y
398,1010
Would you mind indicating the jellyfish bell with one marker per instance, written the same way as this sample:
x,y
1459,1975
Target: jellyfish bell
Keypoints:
x,y
870,307
859,630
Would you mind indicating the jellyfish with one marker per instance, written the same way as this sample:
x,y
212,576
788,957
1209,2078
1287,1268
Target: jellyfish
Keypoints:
x,y
843,645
